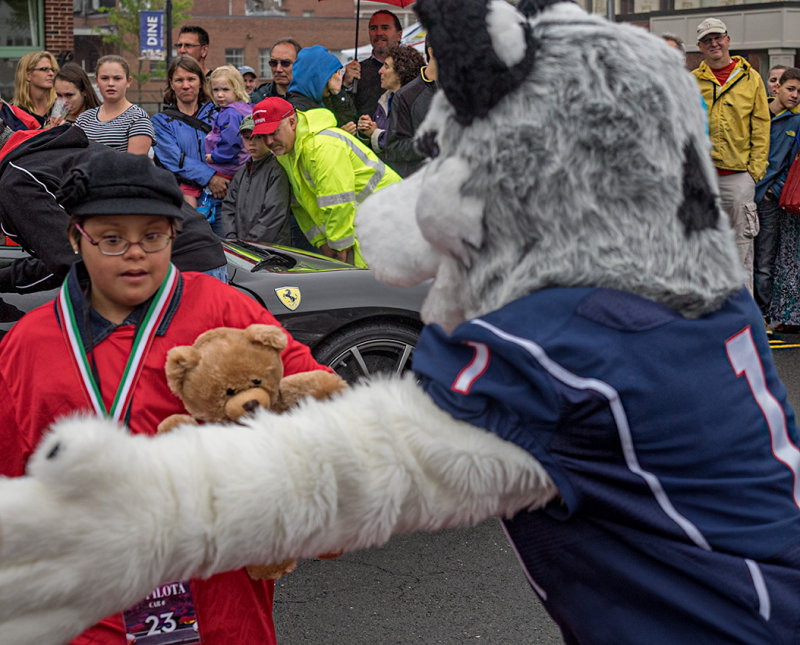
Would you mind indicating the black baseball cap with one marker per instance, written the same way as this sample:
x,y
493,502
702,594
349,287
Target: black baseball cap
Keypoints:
x,y
120,183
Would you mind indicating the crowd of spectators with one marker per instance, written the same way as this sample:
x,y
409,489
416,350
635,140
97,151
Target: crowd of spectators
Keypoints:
x,y
753,131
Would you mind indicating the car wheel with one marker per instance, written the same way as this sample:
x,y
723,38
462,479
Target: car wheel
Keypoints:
x,y
376,348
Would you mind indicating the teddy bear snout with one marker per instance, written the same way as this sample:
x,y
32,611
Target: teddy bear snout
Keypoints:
x,y
246,403
251,405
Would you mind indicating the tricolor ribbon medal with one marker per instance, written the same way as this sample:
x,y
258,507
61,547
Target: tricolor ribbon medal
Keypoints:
x,y
141,345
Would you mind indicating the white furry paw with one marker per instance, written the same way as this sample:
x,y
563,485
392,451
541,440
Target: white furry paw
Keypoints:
x,y
77,541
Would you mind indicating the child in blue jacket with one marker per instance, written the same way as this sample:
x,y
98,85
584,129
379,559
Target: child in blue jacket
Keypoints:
x,y
783,133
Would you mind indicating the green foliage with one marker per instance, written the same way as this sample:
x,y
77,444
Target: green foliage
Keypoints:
x,y
124,18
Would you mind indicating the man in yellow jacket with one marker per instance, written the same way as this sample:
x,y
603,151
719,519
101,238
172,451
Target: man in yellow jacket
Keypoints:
x,y
329,170
738,125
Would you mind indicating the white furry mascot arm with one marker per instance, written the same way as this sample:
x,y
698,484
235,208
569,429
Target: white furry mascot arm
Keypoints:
x,y
120,514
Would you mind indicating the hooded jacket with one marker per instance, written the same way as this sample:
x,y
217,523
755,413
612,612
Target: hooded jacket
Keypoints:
x,y
782,136
311,72
330,172
738,118
30,215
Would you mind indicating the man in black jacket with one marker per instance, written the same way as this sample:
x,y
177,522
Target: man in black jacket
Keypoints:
x,y
409,107
30,215
282,56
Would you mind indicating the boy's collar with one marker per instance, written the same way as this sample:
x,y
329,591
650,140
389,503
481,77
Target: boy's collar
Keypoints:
x,y
79,283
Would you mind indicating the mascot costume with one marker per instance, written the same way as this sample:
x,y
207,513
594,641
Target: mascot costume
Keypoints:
x,y
592,371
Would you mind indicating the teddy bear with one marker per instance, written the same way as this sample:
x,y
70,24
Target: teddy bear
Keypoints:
x,y
592,372
227,374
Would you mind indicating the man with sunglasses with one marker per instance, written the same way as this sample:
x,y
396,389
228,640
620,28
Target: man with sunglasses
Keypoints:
x,y
282,57
738,126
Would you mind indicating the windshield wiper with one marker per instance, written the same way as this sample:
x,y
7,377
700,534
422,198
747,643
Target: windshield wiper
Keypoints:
x,y
271,259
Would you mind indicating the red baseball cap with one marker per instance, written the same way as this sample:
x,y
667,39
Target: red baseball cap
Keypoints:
x,y
268,114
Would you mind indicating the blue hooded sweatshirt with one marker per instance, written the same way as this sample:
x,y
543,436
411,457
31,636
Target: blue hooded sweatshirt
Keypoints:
x,y
312,70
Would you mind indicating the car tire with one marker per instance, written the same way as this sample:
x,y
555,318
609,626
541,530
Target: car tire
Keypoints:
x,y
366,350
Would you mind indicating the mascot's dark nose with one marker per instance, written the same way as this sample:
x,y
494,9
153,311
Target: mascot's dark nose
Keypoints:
x,y
251,406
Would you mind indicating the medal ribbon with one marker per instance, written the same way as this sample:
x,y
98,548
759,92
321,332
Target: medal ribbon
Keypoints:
x,y
145,334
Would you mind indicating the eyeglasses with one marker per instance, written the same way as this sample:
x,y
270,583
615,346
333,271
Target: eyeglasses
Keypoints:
x,y
714,38
115,245
283,62
186,46
44,69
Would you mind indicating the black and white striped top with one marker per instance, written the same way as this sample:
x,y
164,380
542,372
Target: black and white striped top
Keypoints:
x,y
115,133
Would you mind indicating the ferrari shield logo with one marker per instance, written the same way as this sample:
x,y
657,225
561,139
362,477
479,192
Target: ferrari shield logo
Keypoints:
x,y
289,296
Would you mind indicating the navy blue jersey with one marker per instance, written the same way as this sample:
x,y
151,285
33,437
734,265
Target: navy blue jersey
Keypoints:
x,y
673,448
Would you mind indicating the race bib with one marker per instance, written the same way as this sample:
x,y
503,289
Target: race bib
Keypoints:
x,y
166,617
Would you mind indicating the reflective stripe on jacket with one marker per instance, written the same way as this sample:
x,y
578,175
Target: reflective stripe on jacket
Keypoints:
x,y
738,118
331,172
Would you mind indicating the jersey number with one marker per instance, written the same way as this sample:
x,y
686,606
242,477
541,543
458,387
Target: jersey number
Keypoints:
x,y
473,371
744,358
164,626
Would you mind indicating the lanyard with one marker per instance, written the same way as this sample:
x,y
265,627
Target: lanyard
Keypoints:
x,y
145,334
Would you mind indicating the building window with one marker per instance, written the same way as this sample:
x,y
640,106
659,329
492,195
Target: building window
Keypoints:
x,y
234,57
22,22
264,70
21,32
256,7
308,13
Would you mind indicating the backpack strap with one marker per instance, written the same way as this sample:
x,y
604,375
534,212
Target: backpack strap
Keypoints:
x,y
194,122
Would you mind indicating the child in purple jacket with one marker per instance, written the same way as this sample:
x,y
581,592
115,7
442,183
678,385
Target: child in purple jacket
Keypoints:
x,y
224,151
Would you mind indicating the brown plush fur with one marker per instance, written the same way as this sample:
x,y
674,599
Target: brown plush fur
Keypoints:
x,y
227,374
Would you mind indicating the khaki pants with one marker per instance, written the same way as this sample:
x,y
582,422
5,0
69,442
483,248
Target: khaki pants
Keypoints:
x,y
736,194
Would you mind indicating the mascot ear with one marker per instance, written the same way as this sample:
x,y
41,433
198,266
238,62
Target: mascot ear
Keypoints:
x,y
267,335
475,73
180,360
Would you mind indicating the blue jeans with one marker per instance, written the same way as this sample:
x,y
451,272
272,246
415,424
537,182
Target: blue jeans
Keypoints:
x,y
765,250
220,273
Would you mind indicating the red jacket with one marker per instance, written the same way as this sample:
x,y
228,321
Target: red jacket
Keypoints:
x,y
38,384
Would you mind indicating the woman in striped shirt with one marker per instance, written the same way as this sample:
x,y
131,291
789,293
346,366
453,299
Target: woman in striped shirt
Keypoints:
x,y
117,123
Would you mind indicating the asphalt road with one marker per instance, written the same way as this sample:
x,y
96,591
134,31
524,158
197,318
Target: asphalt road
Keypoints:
x,y
446,588
462,586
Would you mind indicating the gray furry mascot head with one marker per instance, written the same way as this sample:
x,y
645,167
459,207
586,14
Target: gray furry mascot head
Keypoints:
x,y
565,151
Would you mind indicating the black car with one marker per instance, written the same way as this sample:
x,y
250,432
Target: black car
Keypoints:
x,y
351,322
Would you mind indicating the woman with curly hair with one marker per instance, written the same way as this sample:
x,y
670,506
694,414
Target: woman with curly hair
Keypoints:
x,y
401,66
33,84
